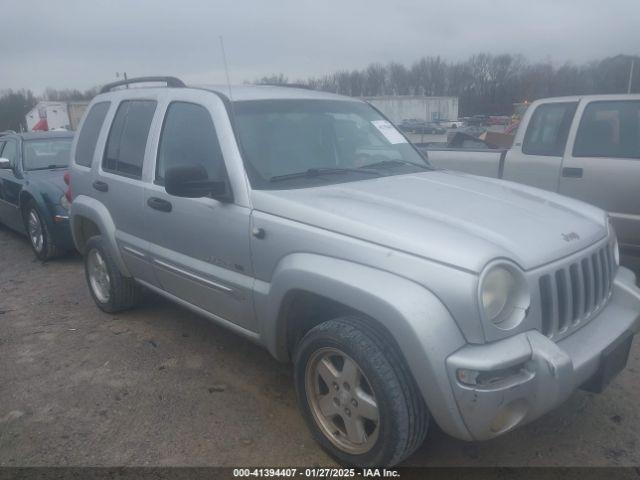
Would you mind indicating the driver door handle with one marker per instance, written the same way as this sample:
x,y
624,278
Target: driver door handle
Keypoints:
x,y
572,172
159,204
100,186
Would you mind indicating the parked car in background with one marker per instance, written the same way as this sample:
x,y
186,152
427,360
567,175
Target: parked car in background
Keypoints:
x,y
427,127
306,222
34,198
585,147
409,124
454,124
477,120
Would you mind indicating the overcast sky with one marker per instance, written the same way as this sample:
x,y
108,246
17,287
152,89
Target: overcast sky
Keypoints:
x,y
83,43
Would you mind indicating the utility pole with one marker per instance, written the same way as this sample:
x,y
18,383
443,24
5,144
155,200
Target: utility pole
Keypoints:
x,y
633,63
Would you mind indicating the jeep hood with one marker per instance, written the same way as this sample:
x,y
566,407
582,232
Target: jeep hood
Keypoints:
x,y
453,218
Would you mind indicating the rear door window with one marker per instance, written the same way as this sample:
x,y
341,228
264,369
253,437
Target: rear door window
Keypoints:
x,y
548,129
127,140
89,134
189,138
609,129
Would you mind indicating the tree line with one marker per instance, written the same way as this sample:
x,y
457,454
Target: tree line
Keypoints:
x,y
484,83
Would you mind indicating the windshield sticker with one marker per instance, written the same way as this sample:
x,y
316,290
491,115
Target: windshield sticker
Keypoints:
x,y
389,131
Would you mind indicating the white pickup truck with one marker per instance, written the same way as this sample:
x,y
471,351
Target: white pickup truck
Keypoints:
x,y
586,147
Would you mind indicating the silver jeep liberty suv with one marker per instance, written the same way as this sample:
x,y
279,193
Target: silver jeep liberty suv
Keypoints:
x,y
306,222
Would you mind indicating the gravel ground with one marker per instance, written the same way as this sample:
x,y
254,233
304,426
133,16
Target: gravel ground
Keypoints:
x,y
162,386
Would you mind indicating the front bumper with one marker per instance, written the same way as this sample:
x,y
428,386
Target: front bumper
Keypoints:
x,y
550,371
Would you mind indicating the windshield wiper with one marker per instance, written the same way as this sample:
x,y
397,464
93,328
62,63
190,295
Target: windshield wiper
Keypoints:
x,y
315,172
48,167
394,163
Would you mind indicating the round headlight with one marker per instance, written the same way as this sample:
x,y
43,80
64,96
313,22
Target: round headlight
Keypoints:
x,y
495,292
504,295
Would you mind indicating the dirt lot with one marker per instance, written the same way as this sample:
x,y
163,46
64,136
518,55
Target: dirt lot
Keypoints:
x,y
161,386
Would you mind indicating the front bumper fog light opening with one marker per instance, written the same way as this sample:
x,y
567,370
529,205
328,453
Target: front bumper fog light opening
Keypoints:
x,y
493,378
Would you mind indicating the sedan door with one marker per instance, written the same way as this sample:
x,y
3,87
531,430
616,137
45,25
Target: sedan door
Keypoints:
x,y
603,167
199,246
10,186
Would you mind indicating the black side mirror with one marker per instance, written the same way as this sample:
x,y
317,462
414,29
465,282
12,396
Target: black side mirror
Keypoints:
x,y
5,164
192,181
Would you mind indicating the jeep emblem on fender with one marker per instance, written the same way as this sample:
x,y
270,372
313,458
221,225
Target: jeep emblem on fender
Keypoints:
x,y
568,237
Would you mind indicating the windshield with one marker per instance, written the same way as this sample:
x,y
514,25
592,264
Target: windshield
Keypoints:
x,y
301,143
46,153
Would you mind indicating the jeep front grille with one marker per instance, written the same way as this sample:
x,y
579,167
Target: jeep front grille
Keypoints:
x,y
572,295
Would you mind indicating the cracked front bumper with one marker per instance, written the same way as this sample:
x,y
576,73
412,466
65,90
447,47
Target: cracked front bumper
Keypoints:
x,y
545,373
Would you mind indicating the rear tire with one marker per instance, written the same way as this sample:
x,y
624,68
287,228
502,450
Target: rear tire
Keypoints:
x,y
112,291
340,413
40,237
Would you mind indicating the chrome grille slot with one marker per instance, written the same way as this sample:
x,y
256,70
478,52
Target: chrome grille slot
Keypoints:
x,y
572,294
597,276
563,299
577,287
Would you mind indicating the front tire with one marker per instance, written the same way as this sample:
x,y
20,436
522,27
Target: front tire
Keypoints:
x,y
112,291
40,237
357,394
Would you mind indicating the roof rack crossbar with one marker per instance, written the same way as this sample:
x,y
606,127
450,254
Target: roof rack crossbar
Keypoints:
x,y
7,132
170,81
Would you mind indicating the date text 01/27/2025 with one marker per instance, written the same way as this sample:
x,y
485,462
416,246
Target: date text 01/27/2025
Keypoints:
x,y
316,472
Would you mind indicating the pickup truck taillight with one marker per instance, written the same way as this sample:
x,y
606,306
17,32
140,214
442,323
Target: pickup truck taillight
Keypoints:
x,y
67,181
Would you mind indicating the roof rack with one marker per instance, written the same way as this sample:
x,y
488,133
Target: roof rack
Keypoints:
x,y
170,81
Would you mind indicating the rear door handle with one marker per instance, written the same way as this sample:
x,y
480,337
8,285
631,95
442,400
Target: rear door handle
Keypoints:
x,y
100,186
572,172
159,204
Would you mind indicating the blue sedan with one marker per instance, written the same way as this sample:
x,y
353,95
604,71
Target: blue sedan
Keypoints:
x,y
34,197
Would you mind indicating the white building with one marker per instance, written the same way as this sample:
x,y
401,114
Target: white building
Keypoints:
x,y
401,107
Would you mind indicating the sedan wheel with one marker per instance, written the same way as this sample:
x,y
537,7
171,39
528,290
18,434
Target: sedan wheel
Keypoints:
x,y
36,234
342,401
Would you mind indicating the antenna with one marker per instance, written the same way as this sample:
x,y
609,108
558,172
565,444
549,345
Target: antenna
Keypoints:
x,y
226,68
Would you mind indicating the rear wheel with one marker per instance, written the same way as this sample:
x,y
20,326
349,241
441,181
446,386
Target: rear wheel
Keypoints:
x,y
112,291
40,237
357,394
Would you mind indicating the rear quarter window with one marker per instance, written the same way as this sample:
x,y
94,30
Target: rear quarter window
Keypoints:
x,y
89,133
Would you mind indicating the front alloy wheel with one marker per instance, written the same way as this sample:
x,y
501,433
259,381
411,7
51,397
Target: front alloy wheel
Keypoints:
x,y
357,394
342,401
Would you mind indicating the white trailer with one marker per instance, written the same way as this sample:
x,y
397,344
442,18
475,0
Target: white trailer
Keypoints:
x,y
429,109
55,116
